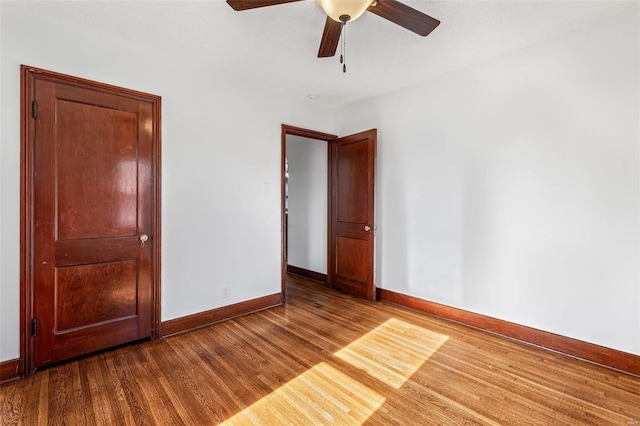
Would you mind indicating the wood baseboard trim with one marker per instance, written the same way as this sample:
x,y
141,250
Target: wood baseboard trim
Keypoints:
x,y
11,370
612,358
203,319
312,275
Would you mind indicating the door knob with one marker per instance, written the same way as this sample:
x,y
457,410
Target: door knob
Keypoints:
x,y
143,239
367,228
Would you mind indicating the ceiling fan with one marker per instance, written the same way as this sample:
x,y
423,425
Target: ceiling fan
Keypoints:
x,y
339,12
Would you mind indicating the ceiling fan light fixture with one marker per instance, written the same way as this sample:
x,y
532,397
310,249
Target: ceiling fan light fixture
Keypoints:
x,y
344,10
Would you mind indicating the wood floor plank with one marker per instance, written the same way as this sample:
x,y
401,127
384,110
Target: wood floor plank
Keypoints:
x,y
325,358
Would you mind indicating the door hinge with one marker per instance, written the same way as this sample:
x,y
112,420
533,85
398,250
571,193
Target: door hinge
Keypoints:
x,y
34,327
34,109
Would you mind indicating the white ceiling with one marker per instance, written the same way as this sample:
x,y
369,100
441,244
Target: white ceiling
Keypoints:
x,y
276,47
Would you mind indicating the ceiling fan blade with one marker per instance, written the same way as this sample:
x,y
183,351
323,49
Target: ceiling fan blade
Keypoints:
x,y
405,16
330,38
253,4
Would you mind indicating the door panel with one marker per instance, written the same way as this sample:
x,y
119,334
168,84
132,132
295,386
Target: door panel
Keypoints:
x,y
352,171
111,296
93,186
107,166
351,259
352,214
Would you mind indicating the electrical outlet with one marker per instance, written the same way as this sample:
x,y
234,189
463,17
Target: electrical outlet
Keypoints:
x,y
225,291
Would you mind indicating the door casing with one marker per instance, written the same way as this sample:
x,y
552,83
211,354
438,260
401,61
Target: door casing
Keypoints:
x,y
27,166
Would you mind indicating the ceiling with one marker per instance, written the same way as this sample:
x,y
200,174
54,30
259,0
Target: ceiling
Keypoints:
x,y
276,47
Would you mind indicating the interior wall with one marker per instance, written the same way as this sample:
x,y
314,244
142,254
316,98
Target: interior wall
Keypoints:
x,y
307,212
511,188
220,145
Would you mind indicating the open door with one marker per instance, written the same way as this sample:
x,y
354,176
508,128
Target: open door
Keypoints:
x,y
352,214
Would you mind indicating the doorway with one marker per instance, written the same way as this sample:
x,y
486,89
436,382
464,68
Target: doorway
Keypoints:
x,y
306,207
304,145
350,182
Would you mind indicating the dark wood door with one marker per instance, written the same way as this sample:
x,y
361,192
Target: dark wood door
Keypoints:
x,y
93,183
351,239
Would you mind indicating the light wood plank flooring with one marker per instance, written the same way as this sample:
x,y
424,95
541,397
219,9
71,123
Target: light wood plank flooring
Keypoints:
x,y
325,358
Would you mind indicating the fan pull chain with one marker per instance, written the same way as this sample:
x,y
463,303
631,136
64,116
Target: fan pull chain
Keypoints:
x,y
342,45
343,53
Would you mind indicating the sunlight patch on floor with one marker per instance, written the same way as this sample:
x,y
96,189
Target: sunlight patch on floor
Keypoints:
x,y
321,395
393,351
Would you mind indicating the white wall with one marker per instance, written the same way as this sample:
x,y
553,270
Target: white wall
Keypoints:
x,y
221,144
308,180
511,188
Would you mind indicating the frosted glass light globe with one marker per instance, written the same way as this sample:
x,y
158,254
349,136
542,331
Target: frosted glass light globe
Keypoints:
x,y
337,8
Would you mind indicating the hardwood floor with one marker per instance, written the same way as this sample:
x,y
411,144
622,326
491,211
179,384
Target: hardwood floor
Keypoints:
x,y
325,358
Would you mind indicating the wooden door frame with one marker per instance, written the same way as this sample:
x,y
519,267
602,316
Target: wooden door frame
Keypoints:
x,y
310,134
28,75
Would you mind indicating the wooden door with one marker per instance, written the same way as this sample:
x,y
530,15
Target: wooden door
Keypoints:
x,y
93,217
351,240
